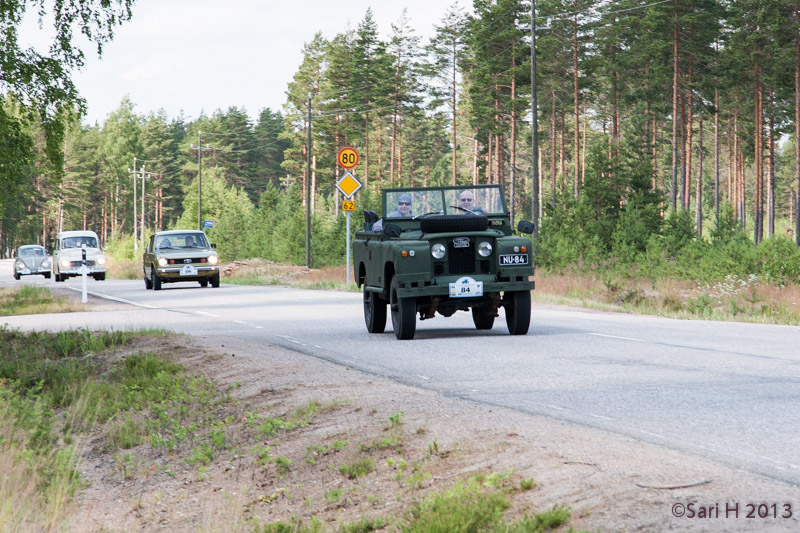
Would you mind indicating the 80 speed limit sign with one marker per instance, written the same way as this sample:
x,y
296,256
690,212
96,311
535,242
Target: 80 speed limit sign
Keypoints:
x,y
348,157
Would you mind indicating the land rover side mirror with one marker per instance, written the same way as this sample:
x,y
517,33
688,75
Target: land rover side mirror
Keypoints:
x,y
525,226
392,230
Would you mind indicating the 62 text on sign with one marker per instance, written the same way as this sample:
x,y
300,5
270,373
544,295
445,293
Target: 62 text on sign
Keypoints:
x,y
348,205
348,157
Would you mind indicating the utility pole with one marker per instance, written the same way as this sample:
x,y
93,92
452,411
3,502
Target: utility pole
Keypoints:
x,y
200,149
144,175
534,130
135,239
308,189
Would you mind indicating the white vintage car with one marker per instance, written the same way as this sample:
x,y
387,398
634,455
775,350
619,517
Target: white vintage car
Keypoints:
x,y
68,255
31,259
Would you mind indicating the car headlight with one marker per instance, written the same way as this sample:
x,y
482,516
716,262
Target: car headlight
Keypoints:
x,y
438,250
213,259
65,263
20,264
162,261
485,249
101,260
46,263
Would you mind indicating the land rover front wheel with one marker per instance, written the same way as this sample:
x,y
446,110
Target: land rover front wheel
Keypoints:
x,y
404,313
518,311
483,317
374,312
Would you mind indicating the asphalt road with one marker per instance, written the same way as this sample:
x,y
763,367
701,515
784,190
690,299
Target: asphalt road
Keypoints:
x,y
725,391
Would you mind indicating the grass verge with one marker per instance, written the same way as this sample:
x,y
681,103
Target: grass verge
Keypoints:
x,y
33,300
76,396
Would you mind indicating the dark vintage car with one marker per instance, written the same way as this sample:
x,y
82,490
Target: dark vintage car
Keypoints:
x,y
180,255
439,250
31,259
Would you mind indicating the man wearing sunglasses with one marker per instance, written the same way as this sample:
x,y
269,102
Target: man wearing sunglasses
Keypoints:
x,y
466,201
403,207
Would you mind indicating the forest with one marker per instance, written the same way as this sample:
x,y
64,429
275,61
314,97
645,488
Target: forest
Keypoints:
x,y
666,140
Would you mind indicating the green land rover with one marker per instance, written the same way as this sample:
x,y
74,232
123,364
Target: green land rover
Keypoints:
x,y
442,250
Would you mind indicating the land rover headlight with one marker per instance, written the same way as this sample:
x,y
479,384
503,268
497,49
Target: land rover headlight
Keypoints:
x,y
485,249
100,259
438,250
162,261
213,259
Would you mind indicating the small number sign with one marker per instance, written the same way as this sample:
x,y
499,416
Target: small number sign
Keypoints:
x,y
348,205
348,157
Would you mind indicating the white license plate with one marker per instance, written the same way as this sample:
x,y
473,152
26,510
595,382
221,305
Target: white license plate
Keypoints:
x,y
189,270
514,259
26,271
466,287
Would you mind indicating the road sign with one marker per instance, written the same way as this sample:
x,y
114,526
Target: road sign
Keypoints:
x,y
348,157
349,185
348,205
208,224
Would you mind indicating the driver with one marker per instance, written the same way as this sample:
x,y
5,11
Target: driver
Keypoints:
x,y
189,242
403,207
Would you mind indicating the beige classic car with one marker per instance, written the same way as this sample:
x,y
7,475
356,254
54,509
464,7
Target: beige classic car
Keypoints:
x,y
179,255
68,255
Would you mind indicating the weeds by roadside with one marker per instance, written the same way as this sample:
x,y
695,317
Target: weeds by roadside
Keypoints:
x,y
33,300
67,395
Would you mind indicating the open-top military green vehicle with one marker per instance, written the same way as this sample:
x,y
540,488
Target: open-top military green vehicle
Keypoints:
x,y
443,249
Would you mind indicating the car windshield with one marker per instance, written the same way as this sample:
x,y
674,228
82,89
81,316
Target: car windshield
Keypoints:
x,y
184,240
484,200
78,242
31,252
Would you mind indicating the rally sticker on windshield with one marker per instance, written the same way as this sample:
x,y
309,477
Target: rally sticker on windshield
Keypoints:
x,y
466,287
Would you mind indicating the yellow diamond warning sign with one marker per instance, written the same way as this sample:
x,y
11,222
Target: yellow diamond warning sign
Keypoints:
x,y
349,185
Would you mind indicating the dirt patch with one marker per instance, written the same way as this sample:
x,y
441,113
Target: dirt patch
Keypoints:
x,y
418,441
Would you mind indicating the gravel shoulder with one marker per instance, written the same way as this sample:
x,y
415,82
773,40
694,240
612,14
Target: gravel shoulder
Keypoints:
x,y
610,482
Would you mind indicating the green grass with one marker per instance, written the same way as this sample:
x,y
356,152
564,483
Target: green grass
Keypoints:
x,y
33,300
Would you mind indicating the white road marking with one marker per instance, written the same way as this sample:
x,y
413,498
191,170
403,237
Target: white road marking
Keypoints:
x,y
114,298
208,314
616,337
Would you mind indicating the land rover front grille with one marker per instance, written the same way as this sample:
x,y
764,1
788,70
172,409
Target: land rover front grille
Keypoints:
x,y
462,259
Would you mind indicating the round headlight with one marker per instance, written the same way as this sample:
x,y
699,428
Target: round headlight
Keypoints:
x,y
213,259
45,263
20,264
516,249
162,261
65,263
485,249
100,259
438,250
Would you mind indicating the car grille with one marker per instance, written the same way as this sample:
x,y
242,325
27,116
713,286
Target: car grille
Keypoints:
x,y
462,260
187,260
90,262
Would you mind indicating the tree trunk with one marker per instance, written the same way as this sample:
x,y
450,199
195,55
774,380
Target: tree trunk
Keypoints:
x,y
758,123
553,151
675,111
716,156
797,123
771,168
698,209
475,152
689,135
575,103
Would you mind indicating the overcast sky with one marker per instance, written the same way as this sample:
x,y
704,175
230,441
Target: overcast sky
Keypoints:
x,y
203,55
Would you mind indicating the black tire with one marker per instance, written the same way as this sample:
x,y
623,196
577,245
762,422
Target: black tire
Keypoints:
x,y
483,317
404,313
59,278
215,280
148,284
156,280
100,277
453,223
518,311
16,276
47,275
204,283
374,312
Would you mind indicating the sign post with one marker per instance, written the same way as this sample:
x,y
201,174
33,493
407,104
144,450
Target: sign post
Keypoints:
x,y
348,185
84,271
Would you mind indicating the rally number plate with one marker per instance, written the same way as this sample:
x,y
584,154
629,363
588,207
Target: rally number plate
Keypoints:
x,y
466,287
189,270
